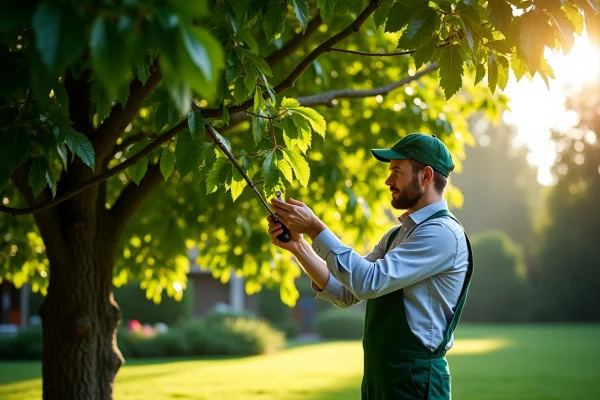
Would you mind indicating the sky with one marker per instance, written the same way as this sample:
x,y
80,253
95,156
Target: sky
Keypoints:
x,y
535,110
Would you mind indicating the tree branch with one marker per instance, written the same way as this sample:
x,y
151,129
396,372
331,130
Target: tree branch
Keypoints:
x,y
114,125
327,98
165,137
132,197
292,45
361,53
290,81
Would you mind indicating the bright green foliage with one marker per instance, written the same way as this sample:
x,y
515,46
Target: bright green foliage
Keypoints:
x,y
73,105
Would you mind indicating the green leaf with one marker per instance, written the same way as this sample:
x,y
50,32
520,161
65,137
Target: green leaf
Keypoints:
x,y
300,166
545,72
259,101
225,142
274,19
247,37
402,12
196,124
563,27
138,170
289,129
204,50
37,175
80,145
250,81
316,120
327,8
167,163
225,117
59,34
519,66
573,14
109,54
304,131
381,14
503,72
289,103
285,170
500,14
181,95
259,63
492,72
51,181
143,71
237,183
240,92
423,24
534,32
258,128
270,172
451,69
214,177
301,11
63,154
479,73
14,146
187,153
189,9
426,53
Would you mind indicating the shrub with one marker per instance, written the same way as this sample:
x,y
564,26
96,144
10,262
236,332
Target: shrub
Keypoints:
x,y
232,334
25,345
340,323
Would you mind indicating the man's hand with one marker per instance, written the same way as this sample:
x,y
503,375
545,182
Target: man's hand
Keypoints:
x,y
275,230
298,217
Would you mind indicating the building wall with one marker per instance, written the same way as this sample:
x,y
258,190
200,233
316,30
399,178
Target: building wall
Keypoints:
x,y
208,292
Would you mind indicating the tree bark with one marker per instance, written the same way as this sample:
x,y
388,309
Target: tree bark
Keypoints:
x,y
79,316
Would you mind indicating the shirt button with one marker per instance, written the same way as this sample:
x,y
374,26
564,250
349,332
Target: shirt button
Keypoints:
x,y
318,249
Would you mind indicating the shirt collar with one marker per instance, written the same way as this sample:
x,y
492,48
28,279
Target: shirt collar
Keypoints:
x,y
422,214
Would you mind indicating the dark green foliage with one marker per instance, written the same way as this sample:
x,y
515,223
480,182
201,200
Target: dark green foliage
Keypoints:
x,y
135,306
26,345
568,270
340,323
498,291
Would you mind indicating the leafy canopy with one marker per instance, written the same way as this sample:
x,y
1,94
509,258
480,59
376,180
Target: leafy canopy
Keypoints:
x,y
119,90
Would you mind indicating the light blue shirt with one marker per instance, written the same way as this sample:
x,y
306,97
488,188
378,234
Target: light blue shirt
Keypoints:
x,y
430,266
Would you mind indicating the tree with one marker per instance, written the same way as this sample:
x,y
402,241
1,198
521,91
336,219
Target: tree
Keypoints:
x,y
101,101
499,186
569,243
499,289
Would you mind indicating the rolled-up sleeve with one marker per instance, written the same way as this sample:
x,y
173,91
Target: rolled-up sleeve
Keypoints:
x,y
428,251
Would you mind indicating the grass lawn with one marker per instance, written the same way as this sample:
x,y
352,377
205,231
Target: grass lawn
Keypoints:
x,y
488,363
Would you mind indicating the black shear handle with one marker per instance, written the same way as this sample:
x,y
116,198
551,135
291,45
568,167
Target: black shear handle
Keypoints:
x,y
285,235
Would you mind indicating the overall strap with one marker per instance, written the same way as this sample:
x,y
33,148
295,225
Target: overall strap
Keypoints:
x,y
463,294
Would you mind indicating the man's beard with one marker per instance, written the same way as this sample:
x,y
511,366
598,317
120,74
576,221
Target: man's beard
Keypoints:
x,y
409,196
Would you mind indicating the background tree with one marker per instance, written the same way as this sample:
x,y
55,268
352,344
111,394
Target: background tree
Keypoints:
x,y
569,245
499,291
101,101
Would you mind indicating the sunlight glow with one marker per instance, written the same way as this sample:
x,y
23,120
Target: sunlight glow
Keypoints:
x,y
536,111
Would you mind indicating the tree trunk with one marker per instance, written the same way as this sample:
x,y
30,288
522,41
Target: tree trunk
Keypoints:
x,y
79,315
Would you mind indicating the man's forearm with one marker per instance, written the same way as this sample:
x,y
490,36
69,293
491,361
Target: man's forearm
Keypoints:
x,y
315,267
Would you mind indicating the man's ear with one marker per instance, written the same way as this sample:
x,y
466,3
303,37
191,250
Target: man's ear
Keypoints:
x,y
428,175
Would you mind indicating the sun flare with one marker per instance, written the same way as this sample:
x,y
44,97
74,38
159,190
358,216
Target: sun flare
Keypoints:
x,y
536,109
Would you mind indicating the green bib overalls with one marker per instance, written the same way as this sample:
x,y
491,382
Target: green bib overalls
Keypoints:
x,y
396,364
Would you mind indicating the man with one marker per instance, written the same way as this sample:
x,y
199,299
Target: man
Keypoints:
x,y
415,280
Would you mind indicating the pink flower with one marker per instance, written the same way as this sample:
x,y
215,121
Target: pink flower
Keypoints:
x,y
134,325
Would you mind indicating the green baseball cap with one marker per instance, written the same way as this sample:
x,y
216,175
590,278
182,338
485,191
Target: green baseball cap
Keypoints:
x,y
426,149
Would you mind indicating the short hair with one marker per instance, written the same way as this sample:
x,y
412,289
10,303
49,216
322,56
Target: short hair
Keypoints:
x,y
439,180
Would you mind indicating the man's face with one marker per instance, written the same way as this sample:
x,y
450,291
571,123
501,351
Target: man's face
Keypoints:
x,y
404,185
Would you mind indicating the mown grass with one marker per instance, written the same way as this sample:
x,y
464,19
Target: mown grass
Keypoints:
x,y
488,363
